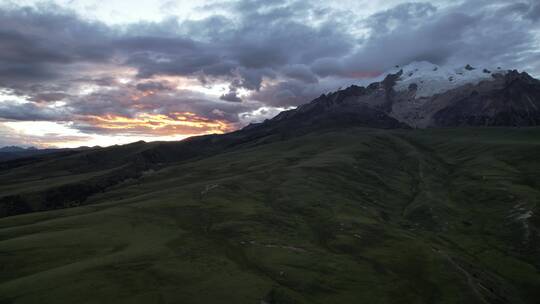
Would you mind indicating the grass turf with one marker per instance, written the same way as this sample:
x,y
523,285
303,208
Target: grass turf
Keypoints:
x,y
343,216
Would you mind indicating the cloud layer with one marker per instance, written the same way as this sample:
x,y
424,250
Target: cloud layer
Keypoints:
x,y
246,58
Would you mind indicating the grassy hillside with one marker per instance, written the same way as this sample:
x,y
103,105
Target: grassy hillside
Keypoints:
x,y
343,216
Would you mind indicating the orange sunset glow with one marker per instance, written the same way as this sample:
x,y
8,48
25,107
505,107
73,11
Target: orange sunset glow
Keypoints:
x,y
159,124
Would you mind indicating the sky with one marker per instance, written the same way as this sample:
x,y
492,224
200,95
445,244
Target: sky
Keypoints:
x,y
88,72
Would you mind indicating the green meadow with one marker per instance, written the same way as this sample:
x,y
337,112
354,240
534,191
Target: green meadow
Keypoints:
x,y
341,216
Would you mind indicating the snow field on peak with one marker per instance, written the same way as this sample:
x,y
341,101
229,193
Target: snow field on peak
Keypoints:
x,y
432,79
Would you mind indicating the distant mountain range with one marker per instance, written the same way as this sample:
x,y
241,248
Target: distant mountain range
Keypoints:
x,y
16,149
14,152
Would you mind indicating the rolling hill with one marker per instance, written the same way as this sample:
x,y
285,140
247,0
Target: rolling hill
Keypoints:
x,y
333,216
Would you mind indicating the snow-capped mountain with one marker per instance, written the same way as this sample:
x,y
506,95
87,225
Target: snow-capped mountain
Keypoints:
x,y
430,79
424,95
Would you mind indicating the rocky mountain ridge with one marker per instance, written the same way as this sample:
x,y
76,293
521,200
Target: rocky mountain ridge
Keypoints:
x,y
416,99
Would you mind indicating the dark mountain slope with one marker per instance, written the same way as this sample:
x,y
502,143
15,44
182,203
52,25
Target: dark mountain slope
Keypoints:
x,y
508,100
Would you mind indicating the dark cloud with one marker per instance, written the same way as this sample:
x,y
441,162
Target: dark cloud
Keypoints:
x,y
385,21
534,12
31,112
295,92
473,32
285,93
154,86
300,72
328,66
263,39
49,96
231,96
37,43
266,38
434,41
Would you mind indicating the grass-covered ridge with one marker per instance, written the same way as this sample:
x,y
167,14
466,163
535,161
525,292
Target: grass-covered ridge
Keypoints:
x,y
345,216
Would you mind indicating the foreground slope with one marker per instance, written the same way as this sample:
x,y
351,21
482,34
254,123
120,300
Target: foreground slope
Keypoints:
x,y
341,216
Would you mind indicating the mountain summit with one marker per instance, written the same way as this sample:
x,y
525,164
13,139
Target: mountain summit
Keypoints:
x,y
424,95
